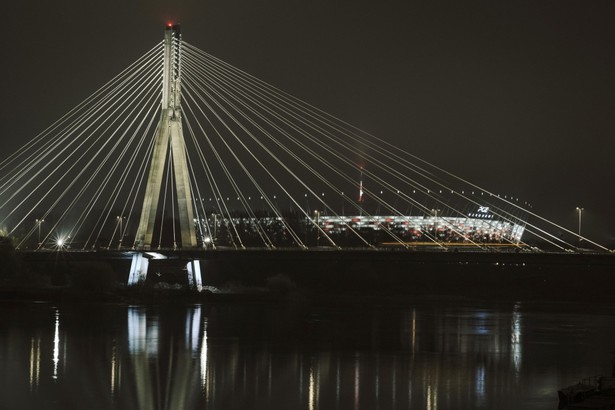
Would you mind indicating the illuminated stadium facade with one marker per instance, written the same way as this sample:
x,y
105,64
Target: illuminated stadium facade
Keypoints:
x,y
479,227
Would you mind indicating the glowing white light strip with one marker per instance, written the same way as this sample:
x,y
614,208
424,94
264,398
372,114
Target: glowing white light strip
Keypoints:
x,y
204,385
56,345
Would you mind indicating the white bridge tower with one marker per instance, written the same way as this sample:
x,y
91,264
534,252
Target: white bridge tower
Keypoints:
x,y
169,134
169,137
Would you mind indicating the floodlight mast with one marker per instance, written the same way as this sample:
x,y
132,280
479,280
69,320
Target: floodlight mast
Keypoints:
x,y
169,131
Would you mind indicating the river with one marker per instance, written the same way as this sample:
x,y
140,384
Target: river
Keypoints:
x,y
420,354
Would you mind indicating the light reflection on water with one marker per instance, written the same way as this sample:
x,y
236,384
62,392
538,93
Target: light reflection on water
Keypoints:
x,y
254,357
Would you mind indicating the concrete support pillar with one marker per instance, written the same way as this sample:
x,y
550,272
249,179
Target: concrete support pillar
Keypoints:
x,y
145,231
138,269
195,279
182,185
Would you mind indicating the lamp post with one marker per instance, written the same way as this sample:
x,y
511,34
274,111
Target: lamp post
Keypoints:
x,y
317,215
38,223
580,212
120,221
215,216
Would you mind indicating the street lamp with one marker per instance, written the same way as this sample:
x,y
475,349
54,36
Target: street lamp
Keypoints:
x,y
38,223
120,221
580,212
317,215
215,217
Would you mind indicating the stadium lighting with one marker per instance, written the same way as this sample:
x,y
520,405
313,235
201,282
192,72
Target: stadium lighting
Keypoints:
x,y
435,225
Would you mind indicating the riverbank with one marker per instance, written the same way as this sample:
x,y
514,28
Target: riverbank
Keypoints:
x,y
292,276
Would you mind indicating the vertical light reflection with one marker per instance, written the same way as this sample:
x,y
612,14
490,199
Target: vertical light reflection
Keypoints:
x,y
515,338
151,335
136,329
410,380
244,377
35,362
113,361
300,379
193,326
429,396
115,370
356,382
338,382
142,337
32,363
394,386
432,395
204,384
413,329
480,382
56,345
311,389
64,355
481,323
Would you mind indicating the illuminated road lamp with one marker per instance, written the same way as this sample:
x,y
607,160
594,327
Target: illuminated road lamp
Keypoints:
x,y
317,217
580,212
38,225
120,221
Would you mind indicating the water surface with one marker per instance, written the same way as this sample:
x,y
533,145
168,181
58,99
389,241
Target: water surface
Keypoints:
x,y
424,355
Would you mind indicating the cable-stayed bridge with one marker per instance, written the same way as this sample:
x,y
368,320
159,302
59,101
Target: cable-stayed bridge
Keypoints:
x,y
183,151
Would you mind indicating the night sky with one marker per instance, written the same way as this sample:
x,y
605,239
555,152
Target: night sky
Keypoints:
x,y
517,97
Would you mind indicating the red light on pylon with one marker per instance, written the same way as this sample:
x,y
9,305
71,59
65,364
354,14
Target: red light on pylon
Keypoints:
x,y
169,24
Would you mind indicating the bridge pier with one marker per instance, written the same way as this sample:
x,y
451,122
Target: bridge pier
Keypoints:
x,y
138,269
195,280
140,265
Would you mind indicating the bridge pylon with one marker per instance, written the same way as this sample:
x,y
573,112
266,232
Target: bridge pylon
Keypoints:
x,y
169,137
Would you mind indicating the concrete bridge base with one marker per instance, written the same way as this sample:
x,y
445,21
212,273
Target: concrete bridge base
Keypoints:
x,y
195,280
140,264
138,269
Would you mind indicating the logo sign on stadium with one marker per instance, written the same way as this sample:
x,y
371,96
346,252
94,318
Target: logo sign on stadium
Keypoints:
x,y
481,212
